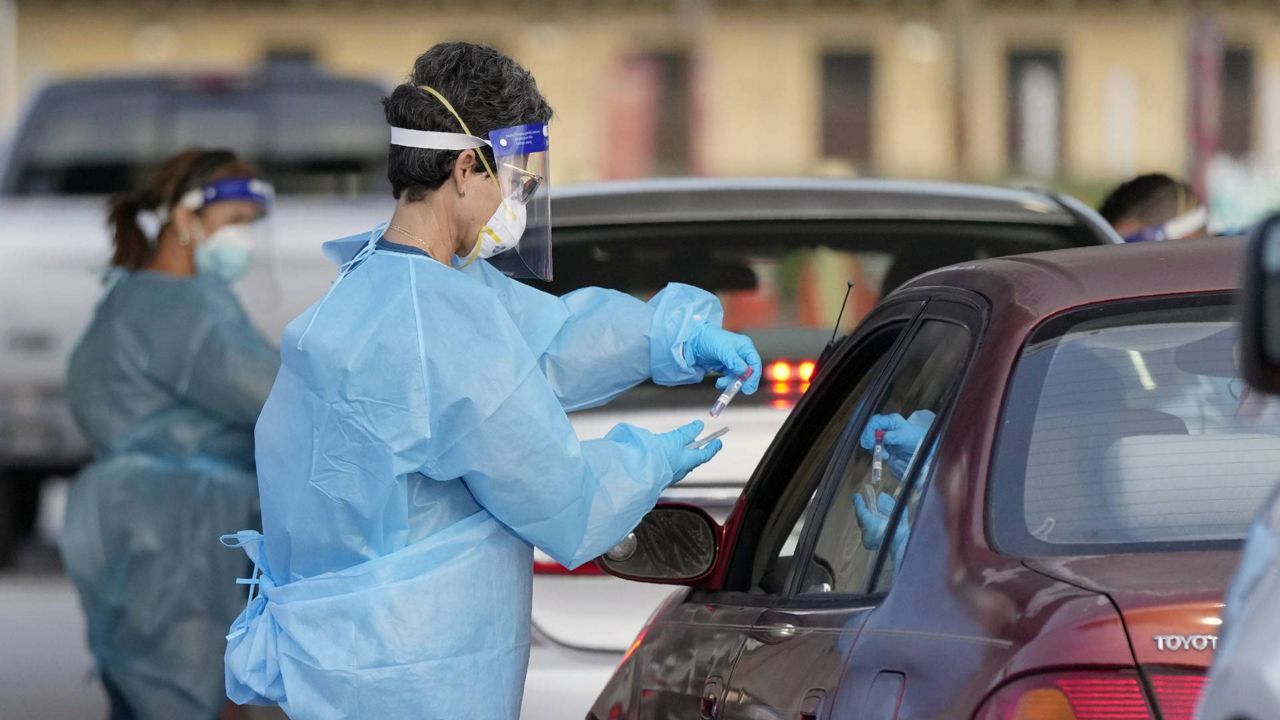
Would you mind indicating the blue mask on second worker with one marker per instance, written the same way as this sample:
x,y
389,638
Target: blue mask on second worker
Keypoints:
x,y
227,253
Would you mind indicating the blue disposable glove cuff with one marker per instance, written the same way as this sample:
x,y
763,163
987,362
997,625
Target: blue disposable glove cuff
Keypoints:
x,y
679,311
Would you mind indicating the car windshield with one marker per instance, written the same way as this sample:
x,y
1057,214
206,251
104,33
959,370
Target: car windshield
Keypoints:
x,y
782,285
315,137
1128,429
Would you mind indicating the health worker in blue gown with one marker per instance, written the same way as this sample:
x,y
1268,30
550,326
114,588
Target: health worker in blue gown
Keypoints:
x,y
166,383
415,446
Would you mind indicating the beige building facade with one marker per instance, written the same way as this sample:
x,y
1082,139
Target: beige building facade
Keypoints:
x,y
984,89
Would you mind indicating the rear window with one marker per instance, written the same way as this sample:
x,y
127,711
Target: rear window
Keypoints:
x,y
1128,429
311,136
782,283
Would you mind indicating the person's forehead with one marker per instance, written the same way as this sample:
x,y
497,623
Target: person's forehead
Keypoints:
x,y
237,207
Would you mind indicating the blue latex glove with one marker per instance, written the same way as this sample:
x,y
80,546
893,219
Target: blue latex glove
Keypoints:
x,y
902,437
875,522
714,349
683,459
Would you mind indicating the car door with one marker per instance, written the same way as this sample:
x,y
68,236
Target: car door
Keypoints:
x,y
688,654
794,657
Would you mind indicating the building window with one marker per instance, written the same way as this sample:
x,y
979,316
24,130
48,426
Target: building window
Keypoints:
x,y
651,125
1236,110
846,109
1034,127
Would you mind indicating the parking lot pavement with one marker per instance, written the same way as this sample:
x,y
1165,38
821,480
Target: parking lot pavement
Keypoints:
x,y
45,666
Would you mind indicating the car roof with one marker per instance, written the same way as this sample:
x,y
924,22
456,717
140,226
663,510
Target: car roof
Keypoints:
x,y
1045,283
675,200
271,76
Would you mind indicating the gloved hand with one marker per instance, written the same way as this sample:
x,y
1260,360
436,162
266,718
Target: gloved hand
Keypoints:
x,y
714,349
875,522
902,437
682,459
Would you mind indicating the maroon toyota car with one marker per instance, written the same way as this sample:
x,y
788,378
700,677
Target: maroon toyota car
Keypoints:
x,y
1075,463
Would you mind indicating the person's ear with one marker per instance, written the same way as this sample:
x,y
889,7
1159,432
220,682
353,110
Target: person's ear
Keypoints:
x,y
464,170
1128,226
183,220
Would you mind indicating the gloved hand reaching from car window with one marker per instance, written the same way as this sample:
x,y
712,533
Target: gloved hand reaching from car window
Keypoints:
x,y
902,437
874,522
714,349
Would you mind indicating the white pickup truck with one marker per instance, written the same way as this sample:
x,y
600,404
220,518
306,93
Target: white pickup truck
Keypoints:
x,y
319,138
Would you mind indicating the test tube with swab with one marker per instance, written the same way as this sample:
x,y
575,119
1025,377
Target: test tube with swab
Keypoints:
x,y
725,397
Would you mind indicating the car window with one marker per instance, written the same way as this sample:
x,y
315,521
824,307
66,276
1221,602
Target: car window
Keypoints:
x,y
788,498
64,149
781,284
858,518
918,482
775,559
318,137
1128,428
326,141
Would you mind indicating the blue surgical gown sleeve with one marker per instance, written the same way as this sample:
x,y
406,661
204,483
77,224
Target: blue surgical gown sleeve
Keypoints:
x,y
594,344
225,368
499,426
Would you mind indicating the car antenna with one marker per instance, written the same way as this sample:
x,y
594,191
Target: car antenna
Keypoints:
x,y
836,330
826,351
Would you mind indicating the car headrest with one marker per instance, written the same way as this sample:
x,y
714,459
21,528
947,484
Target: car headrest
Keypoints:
x,y
1171,487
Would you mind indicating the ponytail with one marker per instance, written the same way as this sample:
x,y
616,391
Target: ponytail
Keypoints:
x,y
132,248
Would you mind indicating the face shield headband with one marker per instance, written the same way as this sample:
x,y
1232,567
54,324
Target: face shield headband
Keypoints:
x,y
1180,227
1193,218
251,190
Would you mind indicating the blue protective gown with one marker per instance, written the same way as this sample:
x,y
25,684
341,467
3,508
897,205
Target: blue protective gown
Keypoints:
x,y
413,450
166,383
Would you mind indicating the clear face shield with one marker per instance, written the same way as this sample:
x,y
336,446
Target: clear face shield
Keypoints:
x,y
520,155
242,254
517,241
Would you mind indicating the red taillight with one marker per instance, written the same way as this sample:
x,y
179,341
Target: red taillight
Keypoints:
x,y
1070,696
780,371
1177,694
805,370
544,565
787,379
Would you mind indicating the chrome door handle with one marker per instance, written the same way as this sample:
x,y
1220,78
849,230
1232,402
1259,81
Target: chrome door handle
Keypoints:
x,y
811,708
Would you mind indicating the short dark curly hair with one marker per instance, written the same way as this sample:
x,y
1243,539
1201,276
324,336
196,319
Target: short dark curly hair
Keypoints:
x,y
1147,199
488,89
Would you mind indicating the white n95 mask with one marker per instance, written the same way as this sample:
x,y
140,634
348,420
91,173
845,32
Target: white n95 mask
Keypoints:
x,y
227,253
501,233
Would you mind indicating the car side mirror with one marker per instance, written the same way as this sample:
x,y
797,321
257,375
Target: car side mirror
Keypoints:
x,y
1260,301
674,544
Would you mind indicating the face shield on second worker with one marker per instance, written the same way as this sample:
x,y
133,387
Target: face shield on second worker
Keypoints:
x,y
242,254
521,169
